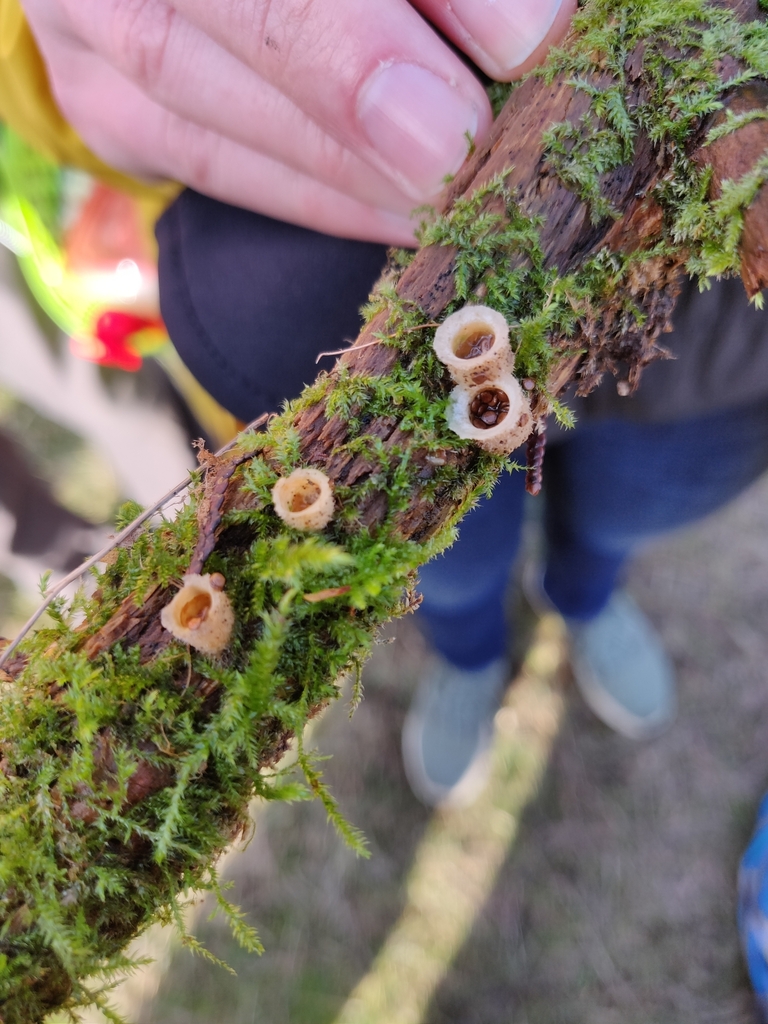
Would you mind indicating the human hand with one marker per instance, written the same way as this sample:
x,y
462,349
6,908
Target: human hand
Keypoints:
x,y
340,115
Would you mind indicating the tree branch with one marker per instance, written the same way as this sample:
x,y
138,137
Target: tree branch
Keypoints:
x,y
145,788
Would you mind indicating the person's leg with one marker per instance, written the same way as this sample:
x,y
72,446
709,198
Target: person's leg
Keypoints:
x,y
611,487
615,484
449,727
462,613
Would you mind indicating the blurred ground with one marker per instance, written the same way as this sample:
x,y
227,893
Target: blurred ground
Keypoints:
x,y
595,881
94,437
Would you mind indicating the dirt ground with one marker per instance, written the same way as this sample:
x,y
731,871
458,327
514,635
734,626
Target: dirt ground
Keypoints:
x,y
593,884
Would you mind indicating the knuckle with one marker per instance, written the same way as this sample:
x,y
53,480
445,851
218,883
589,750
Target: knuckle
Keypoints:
x,y
282,28
193,151
142,31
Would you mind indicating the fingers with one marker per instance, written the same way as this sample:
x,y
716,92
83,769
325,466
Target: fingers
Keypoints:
x,y
304,109
374,76
506,38
156,142
204,84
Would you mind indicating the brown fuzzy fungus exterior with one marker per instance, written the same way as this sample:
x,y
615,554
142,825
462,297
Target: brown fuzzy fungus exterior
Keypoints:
x,y
201,614
304,500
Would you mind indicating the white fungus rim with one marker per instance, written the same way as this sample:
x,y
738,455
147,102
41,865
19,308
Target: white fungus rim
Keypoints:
x,y
504,436
212,633
300,483
497,360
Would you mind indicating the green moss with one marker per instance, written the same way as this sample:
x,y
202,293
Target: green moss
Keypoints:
x,y
82,868
66,821
678,50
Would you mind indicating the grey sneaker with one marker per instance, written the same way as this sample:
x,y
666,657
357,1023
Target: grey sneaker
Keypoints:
x,y
622,671
448,732
619,664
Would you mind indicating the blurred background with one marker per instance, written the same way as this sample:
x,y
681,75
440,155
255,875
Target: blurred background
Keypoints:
x,y
594,883
76,440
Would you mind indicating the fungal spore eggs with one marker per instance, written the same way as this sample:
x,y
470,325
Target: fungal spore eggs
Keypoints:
x,y
489,406
496,415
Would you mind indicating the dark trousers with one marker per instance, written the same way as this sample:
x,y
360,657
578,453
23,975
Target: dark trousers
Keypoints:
x,y
609,487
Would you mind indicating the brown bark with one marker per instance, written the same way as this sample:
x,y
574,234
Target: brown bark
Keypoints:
x,y
732,157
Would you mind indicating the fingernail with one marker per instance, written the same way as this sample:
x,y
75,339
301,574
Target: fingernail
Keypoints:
x,y
417,123
507,31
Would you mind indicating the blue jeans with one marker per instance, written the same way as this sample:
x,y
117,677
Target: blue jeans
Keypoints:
x,y
609,486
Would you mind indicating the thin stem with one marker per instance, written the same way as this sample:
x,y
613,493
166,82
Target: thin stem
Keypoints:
x,y
53,592
350,348
376,341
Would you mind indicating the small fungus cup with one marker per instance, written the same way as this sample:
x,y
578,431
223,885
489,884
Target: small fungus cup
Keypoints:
x,y
496,415
304,500
201,613
474,344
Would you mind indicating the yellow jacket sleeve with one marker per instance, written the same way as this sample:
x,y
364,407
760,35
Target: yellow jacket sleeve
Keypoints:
x,y
28,107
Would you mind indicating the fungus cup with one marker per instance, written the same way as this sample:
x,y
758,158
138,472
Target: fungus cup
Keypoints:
x,y
304,500
474,344
201,614
496,415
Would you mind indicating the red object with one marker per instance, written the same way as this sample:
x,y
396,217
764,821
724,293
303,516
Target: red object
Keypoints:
x,y
114,330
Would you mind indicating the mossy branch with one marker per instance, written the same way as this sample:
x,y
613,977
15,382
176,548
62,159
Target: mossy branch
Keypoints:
x,y
127,760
